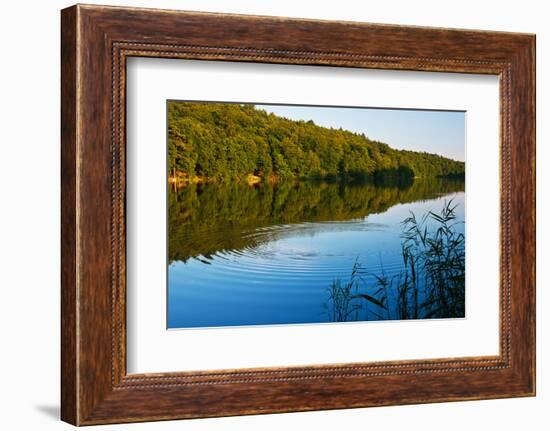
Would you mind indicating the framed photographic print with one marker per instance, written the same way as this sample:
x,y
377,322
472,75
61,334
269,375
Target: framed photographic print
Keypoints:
x,y
265,215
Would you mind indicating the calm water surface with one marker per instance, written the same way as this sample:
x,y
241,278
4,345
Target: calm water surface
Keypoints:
x,y
241,255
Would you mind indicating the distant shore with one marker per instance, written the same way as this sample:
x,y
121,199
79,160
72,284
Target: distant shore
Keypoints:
x,y
182,179
215,143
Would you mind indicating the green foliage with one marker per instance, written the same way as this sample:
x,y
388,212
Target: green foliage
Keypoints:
x,y
230,141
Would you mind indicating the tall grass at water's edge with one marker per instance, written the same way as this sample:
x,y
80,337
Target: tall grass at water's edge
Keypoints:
x,y
429,285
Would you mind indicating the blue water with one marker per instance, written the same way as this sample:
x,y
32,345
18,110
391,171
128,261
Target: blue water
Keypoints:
x,y
269,272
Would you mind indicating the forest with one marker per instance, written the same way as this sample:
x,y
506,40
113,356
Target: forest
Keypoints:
x,y
217,142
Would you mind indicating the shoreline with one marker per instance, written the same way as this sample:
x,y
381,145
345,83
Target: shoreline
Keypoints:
x,y
180,179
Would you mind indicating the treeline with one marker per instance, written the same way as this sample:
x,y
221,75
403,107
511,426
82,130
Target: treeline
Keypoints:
x,y
230,141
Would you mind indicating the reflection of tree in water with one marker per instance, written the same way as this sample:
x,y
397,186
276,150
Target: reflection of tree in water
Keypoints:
x,y
210,218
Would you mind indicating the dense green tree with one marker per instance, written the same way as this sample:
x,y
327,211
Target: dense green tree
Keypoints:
x,y
221,141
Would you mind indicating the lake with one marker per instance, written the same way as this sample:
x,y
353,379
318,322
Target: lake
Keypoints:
x,y
269,254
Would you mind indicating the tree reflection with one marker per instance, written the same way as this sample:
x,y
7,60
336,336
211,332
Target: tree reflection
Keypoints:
x,y
204,219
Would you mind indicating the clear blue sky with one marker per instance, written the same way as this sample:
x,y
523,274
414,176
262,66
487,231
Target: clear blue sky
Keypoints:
x,y
439,132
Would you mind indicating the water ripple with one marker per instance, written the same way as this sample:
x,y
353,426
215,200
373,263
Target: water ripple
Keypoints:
x,y
280,273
